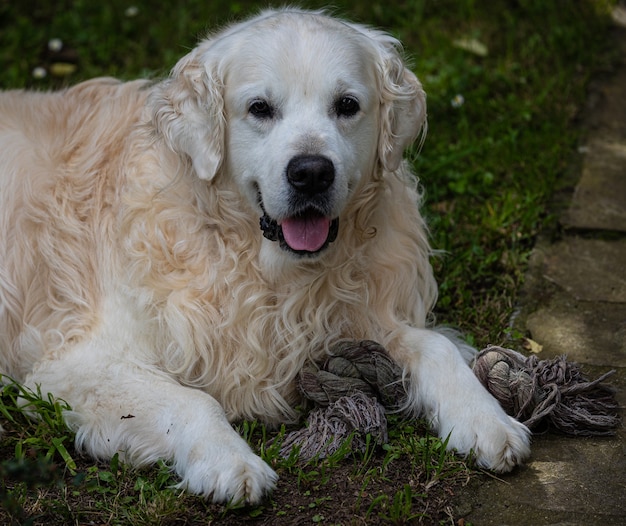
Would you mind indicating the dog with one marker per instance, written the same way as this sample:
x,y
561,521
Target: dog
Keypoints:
x,y
173,253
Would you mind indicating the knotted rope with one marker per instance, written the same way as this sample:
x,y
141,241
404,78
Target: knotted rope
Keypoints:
x,y
359,382
351,391
552,393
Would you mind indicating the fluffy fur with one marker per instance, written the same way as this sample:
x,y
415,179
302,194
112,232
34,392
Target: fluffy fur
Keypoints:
x,y
136,284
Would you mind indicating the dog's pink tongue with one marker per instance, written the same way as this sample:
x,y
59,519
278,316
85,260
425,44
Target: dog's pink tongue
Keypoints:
x,y
307,233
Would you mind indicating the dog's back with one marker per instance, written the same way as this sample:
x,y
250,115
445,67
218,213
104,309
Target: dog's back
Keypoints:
x,y
57,181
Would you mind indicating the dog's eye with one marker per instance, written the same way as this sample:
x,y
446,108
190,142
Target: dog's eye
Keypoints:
x,y
261,109
347,106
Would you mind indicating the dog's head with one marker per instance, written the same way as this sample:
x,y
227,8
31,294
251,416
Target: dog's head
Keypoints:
x,y
297,108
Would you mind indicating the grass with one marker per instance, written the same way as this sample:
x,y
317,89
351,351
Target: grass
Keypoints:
x,y
43,481
506,80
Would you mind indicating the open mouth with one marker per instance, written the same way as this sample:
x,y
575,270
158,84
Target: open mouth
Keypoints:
x,y
305,234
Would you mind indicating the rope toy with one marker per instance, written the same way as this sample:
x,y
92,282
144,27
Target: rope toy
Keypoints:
x,y
359,383
351,392
548,393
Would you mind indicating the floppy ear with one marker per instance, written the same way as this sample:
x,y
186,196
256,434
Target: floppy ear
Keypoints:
x,y
403,103
188,110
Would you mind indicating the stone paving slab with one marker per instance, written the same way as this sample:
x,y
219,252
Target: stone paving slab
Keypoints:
x,y
575,300
585,332
588,269
600,197
598,201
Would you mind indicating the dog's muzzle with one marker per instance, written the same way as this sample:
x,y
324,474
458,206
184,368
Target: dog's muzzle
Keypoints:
x,y
308,231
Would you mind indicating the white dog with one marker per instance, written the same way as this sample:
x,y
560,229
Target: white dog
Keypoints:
x,y
171,254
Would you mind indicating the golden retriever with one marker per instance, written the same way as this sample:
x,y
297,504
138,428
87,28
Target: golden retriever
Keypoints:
x,y
173,253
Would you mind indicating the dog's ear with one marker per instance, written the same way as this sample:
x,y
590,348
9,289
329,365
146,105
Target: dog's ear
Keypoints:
x,y
403,103
188,111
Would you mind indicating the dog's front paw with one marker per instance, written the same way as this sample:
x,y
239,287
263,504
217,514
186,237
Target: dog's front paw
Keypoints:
x,y
498,442
228,473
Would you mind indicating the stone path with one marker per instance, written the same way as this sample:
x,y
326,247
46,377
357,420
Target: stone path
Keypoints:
x,y
574,303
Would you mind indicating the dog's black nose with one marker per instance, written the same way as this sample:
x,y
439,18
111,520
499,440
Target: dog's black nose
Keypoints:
x,y
310,174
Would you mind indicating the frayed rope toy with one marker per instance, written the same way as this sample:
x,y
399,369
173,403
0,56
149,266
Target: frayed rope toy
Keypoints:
x,y
359,382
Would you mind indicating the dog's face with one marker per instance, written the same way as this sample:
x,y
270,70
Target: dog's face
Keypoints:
x,y
302,130
298,108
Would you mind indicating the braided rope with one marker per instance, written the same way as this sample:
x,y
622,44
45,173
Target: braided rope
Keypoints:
x,y
329,428
354,366
351,391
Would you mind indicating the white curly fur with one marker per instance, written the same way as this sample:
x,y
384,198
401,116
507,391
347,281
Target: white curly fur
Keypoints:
x,y
134,279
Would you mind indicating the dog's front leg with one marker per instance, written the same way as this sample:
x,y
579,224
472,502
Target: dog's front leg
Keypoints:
x,y
443,388
142,414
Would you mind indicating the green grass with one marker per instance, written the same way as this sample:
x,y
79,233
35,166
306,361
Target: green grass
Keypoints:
x,y
41,481
502,131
